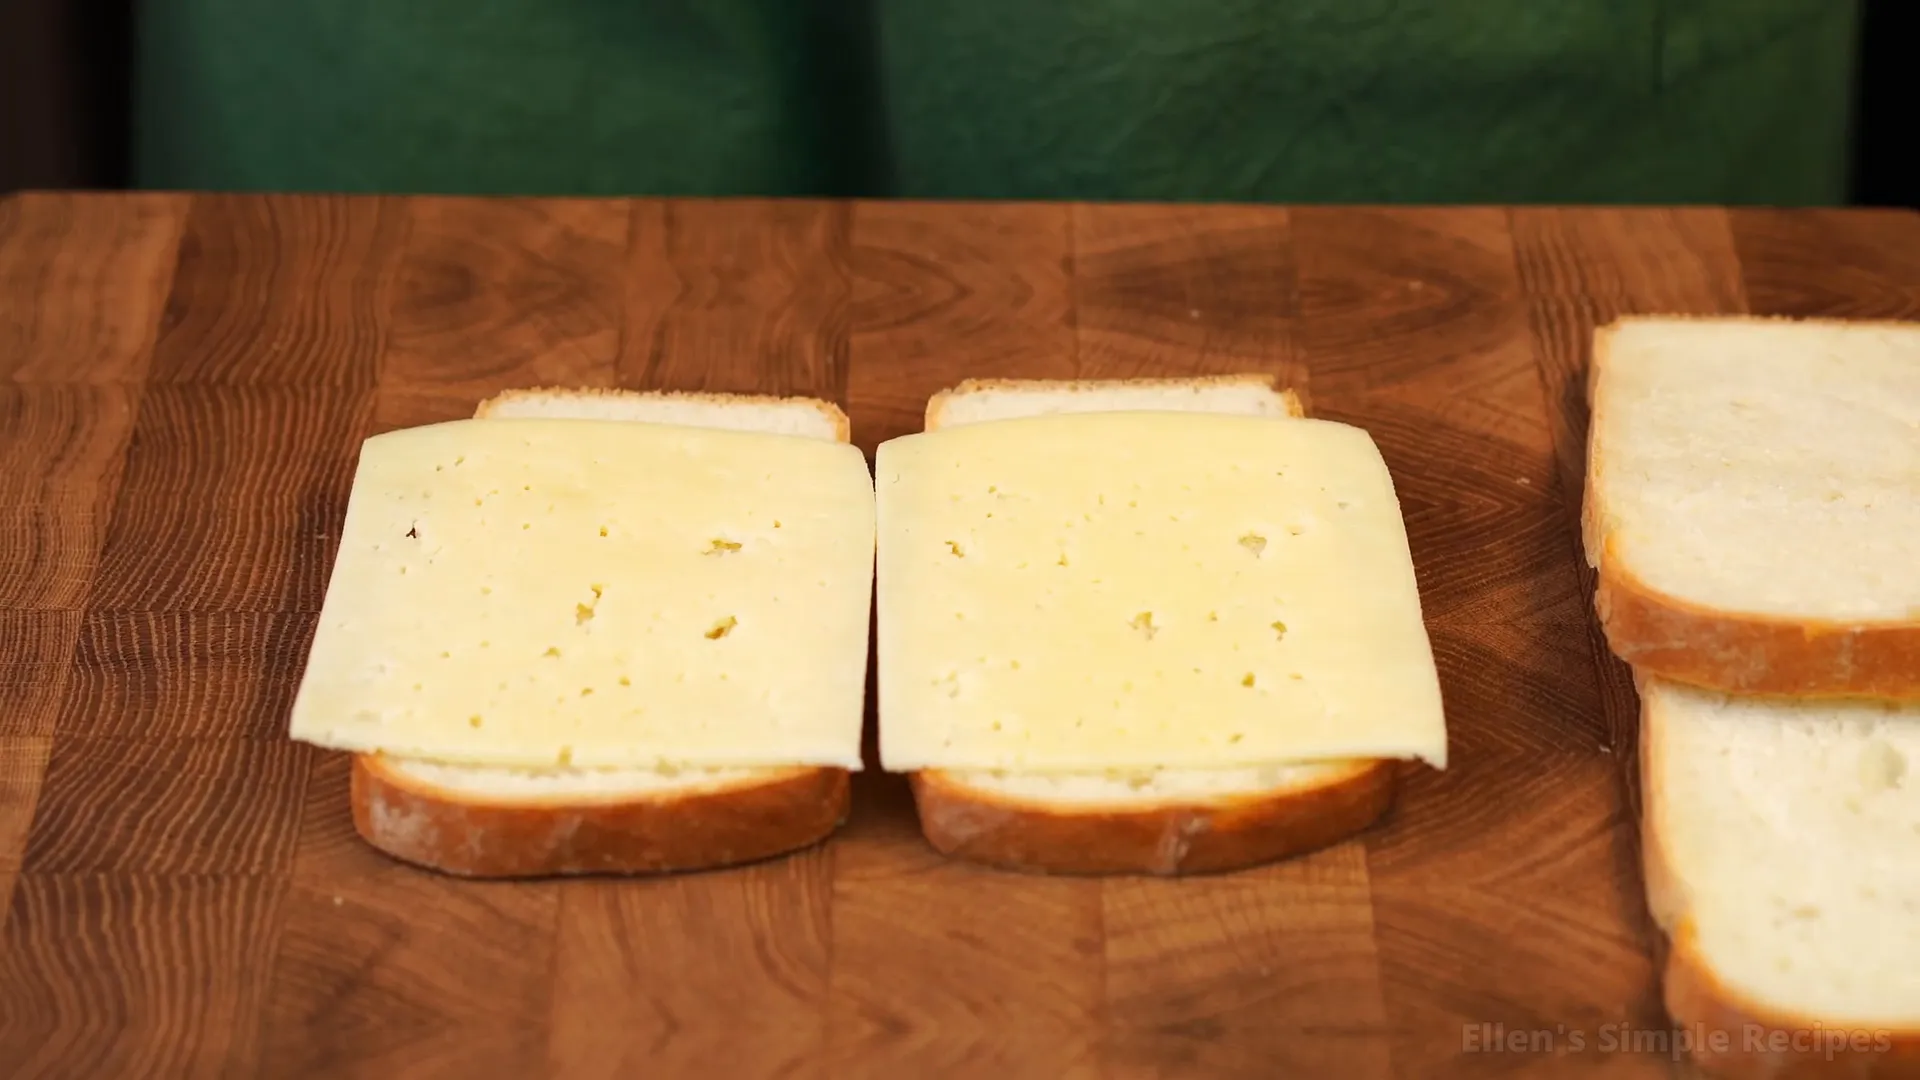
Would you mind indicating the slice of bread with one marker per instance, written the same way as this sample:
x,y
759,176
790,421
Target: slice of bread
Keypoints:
x,y
1753,503
505,822
1779,840
1163,821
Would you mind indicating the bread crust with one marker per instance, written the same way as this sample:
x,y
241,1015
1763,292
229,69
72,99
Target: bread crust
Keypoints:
x,y
1753,654
1730,651
687,828
1758,1043
1172,838
938,403
1166,838
458,833
842,427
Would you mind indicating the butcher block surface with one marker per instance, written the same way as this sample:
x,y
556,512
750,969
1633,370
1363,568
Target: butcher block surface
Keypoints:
x,y
184,382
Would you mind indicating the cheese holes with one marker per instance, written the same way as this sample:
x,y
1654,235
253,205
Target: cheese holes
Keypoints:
x,y
1254,543
583,613
1279,630
721,546
722,628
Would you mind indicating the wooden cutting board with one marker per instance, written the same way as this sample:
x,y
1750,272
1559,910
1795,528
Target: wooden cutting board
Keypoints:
x,y
183,385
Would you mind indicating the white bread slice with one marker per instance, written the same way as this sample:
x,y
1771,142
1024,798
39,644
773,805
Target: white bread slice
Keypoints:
x,y
1753,503
1165,821
1780,841
503,822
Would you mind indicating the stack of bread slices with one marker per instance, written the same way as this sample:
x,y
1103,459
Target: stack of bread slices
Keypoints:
x,y
1752,510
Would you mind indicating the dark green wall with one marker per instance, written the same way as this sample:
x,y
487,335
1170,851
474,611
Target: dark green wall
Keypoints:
x,y
1303,100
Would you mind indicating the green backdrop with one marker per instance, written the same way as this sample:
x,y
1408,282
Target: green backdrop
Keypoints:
x,y
1735,101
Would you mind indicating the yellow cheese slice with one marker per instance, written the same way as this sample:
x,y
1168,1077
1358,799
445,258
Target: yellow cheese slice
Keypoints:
x,y
1123,590
542,592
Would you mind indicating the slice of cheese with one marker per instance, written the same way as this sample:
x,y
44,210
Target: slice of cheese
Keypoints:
x,y
1125,590
543,592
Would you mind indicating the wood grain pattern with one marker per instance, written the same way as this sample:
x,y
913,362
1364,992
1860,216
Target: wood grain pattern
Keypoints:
x,y
1869,262
184,382
1415,328
498,293
136,974
197,806
23,765
1160,291
280,290
1271,971
985,290
668,956
386,972
738,297
1580,271
159,675
233,499
84,277
954,292
60,463
941,969
35,650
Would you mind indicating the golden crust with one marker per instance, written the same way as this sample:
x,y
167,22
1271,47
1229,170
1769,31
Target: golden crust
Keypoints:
x,y
1730,651
1752,1042
1752,654
463,834
1176,837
